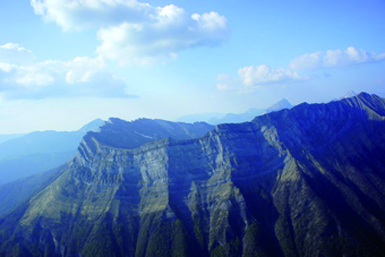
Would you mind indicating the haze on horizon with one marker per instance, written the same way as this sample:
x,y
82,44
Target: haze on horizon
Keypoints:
x,y
64,63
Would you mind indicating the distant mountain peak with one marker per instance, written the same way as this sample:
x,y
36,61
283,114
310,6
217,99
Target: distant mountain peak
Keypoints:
x,y
349,94
284,101
250,114
92,126
282,104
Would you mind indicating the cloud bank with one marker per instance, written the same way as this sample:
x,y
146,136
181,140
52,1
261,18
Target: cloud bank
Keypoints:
x,y
82,76
135,32
253,77
334,59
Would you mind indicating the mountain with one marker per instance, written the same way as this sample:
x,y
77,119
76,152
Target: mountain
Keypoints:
x,y
238,117
4,138
217,118
283,104
205,117
39,151
349,94
16,192
308,181
122,134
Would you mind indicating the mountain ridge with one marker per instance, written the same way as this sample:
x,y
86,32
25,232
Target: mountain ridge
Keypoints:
x,y
289,183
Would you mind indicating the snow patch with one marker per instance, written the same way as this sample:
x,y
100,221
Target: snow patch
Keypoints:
x,y
144,135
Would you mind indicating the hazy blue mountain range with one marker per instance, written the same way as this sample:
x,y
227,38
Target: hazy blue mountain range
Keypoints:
x,y
4,138
308,181
217,118
39,151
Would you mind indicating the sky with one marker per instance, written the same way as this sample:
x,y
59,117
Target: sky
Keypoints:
x,y
64,63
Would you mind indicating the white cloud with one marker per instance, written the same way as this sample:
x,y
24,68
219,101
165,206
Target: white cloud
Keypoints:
x,y
253,77
306,61
158,40
227,83
210,21
14,53
263,74
334,58
32,76
82,76
83,14
82,69
134,32
7,67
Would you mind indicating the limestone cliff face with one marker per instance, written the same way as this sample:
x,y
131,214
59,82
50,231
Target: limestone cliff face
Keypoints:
x,y
302,182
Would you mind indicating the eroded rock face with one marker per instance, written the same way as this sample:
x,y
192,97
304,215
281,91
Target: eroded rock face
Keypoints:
x,y
302,182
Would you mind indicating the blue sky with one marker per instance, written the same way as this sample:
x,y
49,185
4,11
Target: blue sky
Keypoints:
x,y
64,63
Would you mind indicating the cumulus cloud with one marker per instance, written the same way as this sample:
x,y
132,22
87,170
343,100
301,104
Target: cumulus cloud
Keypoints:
x,y
334,58
82,76
134,32
263,74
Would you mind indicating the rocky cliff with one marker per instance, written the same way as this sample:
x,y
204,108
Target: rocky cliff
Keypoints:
x,y
302,182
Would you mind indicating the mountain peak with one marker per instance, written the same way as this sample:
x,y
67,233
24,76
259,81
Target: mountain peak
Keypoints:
x,y
282,104
284,101
351,93
364,95
92,126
